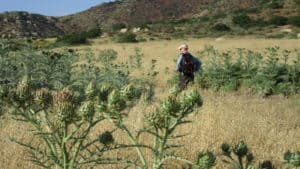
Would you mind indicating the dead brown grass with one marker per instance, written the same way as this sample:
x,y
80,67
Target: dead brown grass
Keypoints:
x,y
269,126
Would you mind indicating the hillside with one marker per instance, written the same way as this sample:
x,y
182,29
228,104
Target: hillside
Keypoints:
x,y
138,12
24,24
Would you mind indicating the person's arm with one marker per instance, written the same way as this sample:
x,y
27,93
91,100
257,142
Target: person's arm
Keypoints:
x,y
197,63
178,65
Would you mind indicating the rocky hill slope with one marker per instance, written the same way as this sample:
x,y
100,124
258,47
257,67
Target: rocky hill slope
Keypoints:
x,y
130,12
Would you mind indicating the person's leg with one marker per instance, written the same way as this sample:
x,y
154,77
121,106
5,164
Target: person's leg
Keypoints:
x,y
189,79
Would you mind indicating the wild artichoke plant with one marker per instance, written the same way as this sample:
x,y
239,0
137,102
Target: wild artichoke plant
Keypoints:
x,y
240,150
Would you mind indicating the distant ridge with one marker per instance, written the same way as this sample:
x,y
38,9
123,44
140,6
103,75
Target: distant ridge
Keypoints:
x,y
23,24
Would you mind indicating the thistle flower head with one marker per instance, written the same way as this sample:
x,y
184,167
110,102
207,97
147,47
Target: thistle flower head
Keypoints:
x,y
87,111
64,96
23,89
241,149
250,157
129,92
206,159
43,96
90,90
106,138
115,101
104,91
64,105
191,98
225,148
170,106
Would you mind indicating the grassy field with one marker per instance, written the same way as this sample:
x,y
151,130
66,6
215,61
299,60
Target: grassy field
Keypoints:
x,y
270,126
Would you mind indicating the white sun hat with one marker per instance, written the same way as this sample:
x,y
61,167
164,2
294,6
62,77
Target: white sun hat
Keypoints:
x,y
183,46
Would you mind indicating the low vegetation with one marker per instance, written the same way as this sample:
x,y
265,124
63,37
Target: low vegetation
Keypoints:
x,y
269,72
79,38
63,100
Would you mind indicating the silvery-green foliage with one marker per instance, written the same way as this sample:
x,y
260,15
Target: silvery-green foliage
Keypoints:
x,y
292,159
43,68
135,61
62,123
273,71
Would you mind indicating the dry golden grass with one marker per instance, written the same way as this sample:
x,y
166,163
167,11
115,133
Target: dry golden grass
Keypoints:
x,y
269,126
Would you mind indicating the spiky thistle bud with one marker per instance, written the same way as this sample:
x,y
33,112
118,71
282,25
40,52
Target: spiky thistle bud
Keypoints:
x,y
129,92
90,90
23,89
104,91
87,111
115,101
250,158
156,120
106,138
43,97
170,106
226,149
191,98
206,160
63,101
241,149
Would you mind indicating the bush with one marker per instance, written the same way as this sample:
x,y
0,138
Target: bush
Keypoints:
x,y
73,39
278,20
272,75
93,33
297,2
219,15
79,38
221,27
294,20
243,20
118,26
126,37
259,22
276,4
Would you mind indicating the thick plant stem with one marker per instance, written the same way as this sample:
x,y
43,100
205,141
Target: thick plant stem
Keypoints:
x,y
155,148
241,162
63,147
161,150
135,142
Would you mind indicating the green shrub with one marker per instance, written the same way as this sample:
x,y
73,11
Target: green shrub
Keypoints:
x,y
278,20
126,37
297,2
259,22
276,4
219,15
79,38
118,26
73,39
294,20
272,75
93,33
243,20
221,27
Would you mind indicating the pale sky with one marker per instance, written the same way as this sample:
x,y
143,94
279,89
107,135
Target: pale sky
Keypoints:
x,y
49,7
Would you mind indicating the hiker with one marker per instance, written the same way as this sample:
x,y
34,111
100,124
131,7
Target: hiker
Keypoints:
x,y
187,65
